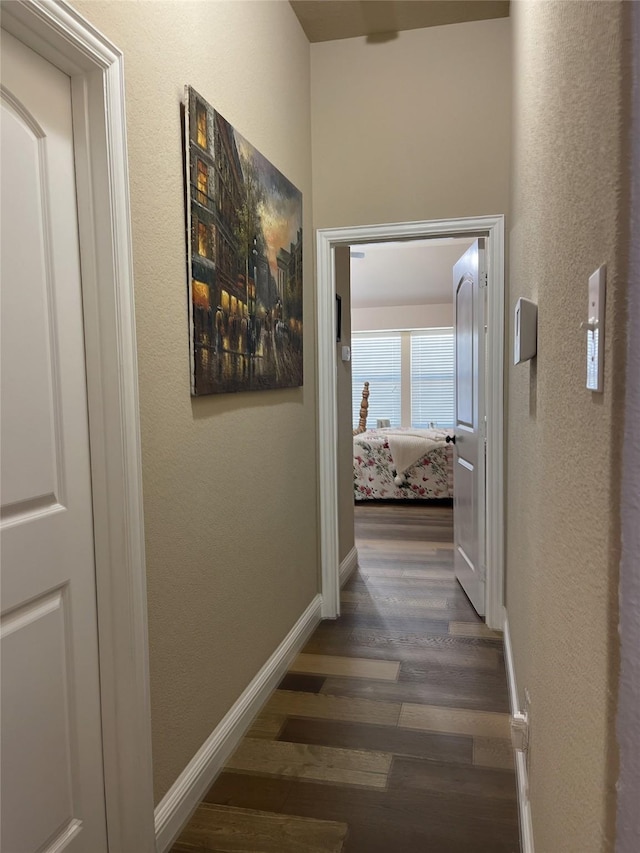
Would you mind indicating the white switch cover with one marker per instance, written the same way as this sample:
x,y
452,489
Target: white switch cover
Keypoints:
x,y
595,330
525,336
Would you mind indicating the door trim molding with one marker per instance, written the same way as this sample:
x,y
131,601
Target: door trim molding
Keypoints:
x,y
59,34
327,239
348,566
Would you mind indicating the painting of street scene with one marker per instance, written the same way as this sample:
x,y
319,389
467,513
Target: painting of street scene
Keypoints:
x,y
244,234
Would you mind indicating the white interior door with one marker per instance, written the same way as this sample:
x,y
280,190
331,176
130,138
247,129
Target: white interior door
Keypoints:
x,y
469,289
52,768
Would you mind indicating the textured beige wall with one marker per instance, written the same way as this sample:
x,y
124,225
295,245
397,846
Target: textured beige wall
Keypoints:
x,y
402,317
563,441
346,538
229,481
628,722
414,128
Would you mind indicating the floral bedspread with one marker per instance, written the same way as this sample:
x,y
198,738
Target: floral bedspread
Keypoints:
x,y
374,472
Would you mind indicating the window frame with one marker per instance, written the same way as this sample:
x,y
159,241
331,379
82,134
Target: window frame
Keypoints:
x,y
406,385
356,393
433,332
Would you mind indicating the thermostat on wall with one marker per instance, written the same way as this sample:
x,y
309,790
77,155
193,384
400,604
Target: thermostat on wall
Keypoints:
x,y
525,336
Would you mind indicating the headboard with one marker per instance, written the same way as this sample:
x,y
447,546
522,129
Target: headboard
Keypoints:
x,y
364,406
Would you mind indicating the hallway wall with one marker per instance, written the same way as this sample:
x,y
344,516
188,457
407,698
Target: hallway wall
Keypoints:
x,y
402,317
230,481
403,130
416,127
628,722
569,206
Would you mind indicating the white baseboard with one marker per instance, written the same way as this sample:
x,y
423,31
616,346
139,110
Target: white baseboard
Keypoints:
x,y
519,730
524,804
348,566
187,791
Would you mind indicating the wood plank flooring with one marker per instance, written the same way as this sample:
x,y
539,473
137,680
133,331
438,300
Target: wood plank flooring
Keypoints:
x,y
390,732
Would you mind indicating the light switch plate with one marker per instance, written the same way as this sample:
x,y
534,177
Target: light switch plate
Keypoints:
x,y
595,330
525,334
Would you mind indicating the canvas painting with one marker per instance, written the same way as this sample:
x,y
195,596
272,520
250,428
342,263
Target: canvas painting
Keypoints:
x,y
244,234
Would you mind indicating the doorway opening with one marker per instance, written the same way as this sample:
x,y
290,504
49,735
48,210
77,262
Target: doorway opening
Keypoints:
x,y
491,228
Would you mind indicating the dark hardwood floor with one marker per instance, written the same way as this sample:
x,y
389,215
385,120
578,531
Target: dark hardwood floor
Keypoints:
x,y
390,731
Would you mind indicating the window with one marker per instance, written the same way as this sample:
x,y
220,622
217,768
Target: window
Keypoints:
x,y
410,375
375,358
432,378
203,240
203,182
201,124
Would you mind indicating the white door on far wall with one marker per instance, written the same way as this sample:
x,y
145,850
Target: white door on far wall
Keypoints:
x,y
469,289
52,764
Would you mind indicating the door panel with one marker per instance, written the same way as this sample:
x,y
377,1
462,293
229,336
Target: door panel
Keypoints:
x,y
28,420
52,772
469,449
464,353
43,753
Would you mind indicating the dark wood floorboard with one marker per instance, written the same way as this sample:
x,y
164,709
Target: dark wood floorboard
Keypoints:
x,y
404,818
483,693
412,744
302,683
390,732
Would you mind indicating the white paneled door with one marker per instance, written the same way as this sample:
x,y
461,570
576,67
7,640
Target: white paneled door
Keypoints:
x,y
469,289
52,766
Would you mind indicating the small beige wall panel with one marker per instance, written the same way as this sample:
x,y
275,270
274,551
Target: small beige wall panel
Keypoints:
x,y
230,483
414,128
569,210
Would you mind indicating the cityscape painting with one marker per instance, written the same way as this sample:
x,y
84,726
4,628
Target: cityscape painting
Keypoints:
x,y
244,235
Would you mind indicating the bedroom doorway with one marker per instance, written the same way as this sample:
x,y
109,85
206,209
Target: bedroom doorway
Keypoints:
x,y
334,247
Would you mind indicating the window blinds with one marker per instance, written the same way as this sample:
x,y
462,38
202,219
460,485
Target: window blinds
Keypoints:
x,y
376,359
432,381
428,380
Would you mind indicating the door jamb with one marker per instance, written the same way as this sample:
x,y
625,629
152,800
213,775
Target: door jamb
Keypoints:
x,y
326,241
62,36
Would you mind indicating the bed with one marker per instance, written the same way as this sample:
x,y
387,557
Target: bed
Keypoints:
x,y
400,463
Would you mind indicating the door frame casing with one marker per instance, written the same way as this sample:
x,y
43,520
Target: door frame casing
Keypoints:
x,y
327,239
60,35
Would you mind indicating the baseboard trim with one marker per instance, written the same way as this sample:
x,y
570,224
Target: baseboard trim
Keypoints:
x,y
348,566
185,794
524,804
519,725
512,683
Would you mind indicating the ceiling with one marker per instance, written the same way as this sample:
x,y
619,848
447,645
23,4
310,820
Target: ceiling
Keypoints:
x,y
326,20
413,272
